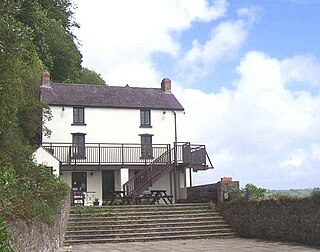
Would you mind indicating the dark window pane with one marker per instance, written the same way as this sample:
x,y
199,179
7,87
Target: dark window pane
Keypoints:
x,y
78,144
79,181
145,119
146,146
78,115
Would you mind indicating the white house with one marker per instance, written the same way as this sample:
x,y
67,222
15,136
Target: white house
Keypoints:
x,y
112,138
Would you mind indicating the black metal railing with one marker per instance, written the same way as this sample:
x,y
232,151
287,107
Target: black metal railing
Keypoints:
x,y
148,175
104,153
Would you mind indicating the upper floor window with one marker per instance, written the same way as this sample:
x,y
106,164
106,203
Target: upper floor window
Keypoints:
x,y
145,118
78,115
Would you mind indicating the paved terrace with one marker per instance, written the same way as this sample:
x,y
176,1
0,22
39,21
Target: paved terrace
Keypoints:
x,y
226,245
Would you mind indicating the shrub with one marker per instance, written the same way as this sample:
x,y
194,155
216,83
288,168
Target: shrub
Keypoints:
x,y
250,192
315,194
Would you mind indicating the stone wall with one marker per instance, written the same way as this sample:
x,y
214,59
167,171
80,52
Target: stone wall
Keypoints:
x,y
202,194
40,237
216,193
295,220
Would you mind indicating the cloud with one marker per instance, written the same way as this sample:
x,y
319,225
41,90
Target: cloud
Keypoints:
x,y
123,34
259,132
301,68
225,39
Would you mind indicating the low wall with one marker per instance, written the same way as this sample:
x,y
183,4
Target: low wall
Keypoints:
x,y
202,194
39,236
217,192
295,220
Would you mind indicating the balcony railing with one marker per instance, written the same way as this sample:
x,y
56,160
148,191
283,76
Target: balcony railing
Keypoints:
x,y
121,154
105,153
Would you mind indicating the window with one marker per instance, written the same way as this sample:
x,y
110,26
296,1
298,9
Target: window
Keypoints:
x,y
146,146
78,145
79,181
78,115
145,118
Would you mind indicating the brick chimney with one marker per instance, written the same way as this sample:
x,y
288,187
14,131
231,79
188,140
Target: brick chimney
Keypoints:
x,y
226,179
45,79
166,85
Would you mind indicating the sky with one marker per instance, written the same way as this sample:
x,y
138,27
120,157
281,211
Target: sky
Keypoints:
x,y
247,73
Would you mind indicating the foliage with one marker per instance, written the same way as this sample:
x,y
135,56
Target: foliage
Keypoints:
x,y
5,237
88,76
315,194
49,26
291,192
248,193
28,191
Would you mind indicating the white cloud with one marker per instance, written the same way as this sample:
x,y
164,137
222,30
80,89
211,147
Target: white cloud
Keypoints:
x,y
260,131
225,39
301,68
123,34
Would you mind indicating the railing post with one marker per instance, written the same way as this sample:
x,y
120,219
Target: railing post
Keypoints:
x,y
122,154
99,153
175,172
70,154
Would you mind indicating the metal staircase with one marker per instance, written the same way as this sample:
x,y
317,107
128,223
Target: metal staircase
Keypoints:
x,y
181,155
148,175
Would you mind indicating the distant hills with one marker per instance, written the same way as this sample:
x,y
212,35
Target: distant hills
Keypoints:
x,y
292,192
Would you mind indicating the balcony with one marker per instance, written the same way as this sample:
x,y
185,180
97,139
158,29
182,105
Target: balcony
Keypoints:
x,y
119,154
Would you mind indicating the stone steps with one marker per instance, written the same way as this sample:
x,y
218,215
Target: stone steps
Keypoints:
x,y
144,223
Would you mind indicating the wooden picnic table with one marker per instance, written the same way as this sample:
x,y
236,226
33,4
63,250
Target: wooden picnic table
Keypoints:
x,y
122,197
155,196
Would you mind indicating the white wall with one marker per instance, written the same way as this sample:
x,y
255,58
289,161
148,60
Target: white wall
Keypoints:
x,y
107,125
42,156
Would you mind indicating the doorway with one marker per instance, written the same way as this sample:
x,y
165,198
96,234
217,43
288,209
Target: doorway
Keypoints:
x,y
107,184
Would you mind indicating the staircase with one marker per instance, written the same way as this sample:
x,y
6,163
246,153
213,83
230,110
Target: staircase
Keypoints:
x,y
148,175
144,223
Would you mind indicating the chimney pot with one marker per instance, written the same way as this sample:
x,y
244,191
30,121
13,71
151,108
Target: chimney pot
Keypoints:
x,y
45,79
166,85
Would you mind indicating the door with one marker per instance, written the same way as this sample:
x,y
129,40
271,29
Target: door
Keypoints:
x,y
107,184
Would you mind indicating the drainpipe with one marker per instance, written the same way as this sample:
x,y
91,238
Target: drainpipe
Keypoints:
x,y
175,156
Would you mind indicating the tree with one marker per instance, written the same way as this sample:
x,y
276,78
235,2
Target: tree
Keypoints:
x,y
88,76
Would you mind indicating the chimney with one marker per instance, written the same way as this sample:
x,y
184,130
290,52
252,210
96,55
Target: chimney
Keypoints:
x,y
226,179
166,85
45,79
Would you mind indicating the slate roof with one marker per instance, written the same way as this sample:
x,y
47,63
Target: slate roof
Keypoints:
x,y
109,96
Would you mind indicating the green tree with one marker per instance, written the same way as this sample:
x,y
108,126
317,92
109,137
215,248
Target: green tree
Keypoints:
x,y
88,76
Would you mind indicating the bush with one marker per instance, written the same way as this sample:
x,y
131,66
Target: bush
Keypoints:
x,y
250,192
5,237
315,194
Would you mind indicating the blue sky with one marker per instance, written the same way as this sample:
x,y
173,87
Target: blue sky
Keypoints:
x,y
247,73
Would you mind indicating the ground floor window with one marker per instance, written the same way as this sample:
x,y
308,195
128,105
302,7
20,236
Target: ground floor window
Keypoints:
x,y
79,181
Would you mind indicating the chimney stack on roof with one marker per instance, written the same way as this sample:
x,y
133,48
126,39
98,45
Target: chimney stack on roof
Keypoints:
x,y
45,79
166,85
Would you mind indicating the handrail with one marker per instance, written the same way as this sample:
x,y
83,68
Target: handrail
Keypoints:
x,y
144,178
104,153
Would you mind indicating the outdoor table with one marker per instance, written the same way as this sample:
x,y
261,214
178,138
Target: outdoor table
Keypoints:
x,y
157,195
117,195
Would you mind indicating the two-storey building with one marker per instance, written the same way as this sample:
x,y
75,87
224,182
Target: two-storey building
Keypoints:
x,y
106,138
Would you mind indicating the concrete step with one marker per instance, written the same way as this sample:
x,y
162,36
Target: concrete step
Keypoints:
x,y
154,238
144,215
142,212
145,220
119,208
151,229
91,226
144,223
92,236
